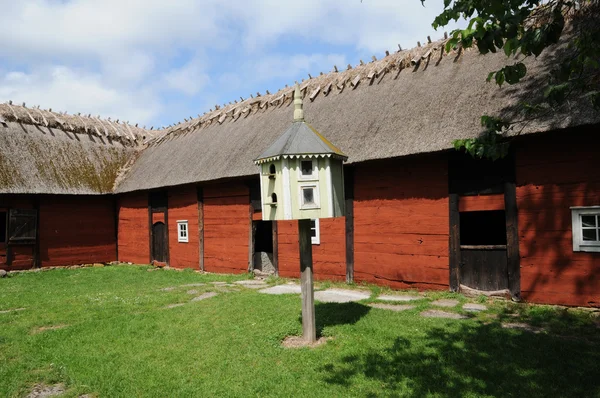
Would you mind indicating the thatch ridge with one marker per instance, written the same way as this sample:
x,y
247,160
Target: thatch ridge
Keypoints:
x,y
127,134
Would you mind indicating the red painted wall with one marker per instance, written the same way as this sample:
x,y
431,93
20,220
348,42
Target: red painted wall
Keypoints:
x,y
401,220
77,230
183,205
553,174
134,236
329,257
226,227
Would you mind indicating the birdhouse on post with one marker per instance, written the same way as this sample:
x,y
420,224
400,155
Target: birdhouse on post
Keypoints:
x,y
302,178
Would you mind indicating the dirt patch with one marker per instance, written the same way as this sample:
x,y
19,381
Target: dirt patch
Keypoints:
x,y
298,342
47,328
42,390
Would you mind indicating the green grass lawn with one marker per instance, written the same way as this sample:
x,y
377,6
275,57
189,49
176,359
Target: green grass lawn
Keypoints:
x,y
108,332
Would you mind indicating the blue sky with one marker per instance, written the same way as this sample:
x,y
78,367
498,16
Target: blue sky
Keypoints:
x,y
155,62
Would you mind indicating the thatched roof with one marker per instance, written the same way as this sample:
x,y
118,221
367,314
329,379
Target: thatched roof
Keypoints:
x,y
46,152
407,103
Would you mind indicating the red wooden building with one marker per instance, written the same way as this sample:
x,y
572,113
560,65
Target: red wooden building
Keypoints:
x,y
419,214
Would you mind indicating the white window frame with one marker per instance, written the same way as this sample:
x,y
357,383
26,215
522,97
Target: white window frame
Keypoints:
x,y
317,200
316,240
315,172
579,245
186,236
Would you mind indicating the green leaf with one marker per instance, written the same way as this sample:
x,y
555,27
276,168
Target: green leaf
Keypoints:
x,y
500,78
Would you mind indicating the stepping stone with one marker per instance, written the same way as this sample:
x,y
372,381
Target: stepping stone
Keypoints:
x,y
397,308
445,303
250,282
174,305
392,297
194,285
192,291
220,283
442,314
282,289
44,391
341,296
12,310
522,326
168,289
471,307
205,296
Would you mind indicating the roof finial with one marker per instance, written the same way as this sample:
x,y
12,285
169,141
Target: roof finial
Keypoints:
x,y
298,111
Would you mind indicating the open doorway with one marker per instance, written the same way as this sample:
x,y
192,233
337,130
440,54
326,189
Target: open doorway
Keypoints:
x,y
263,257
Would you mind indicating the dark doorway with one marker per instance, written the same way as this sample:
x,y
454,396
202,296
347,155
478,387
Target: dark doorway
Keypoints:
x,y
263,258
159,242
484,261
3,225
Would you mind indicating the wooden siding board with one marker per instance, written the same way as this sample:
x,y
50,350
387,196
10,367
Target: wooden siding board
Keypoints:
x,y
401,222
552,175
183,205
226,232
134,228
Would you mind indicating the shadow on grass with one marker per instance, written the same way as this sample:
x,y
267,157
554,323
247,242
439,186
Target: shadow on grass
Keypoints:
x,y
332,314
475,359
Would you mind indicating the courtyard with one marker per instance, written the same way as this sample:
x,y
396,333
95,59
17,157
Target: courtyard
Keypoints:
x,y
123,331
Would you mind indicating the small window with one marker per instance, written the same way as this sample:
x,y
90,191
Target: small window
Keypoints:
x,y
315,232
272,169
22,226
309,197
307,170
586,228
182,231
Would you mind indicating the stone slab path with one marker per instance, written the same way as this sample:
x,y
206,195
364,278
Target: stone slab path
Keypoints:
x,y
448,303
252,284
290,288
393,297
442,314
12,310
472,307
341,295
205,296
391,307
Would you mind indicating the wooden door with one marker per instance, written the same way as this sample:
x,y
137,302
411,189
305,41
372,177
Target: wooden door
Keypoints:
x,y
159,242
484,268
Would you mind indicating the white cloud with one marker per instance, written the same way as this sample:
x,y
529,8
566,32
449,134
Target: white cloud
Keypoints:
x,y
131,57
65,89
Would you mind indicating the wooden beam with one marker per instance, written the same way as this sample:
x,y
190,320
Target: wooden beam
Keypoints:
x,y
116,221
150,234
512,240
166,237
349,228
251,237
37,263
454,242
309,330
275,248
200,197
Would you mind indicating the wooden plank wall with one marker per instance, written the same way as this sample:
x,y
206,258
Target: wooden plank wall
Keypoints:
x,y
226,227
183,205
134,245
553,174
77,230
401,221
329,257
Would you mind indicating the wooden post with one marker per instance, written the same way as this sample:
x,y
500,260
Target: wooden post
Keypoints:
x,y
454,243
309,330
150,232
512,240
200,197
251,238
275,248
349,226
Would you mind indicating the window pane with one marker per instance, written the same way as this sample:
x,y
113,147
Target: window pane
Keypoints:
x,y
313,233
306,166
588,221
590,234
313,224
309,197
